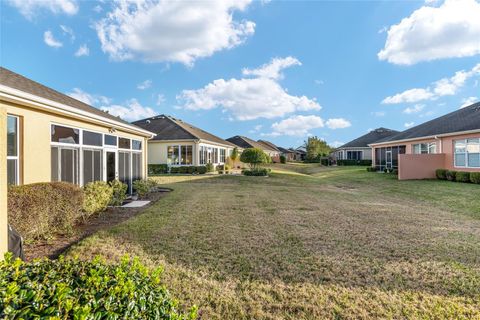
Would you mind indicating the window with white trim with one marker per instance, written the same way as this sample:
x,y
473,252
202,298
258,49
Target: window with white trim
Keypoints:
x,y
467,153
180,155
13,144
222,155
424,148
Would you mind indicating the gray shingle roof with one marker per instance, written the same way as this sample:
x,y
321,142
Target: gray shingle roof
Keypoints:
x,y
245,143
14,80
464,119
269,145
169,128
371,137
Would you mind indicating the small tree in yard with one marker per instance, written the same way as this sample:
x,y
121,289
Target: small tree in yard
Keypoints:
x,y
234,155
255,157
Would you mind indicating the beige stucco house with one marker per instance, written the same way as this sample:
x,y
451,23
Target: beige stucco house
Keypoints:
x,y
179,143
53,137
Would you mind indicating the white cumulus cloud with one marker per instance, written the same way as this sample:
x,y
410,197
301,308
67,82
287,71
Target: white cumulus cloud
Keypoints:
x,y
431,33
30,8
415,109
468,101
408,124
144,85
172,31
83,50
90,99
248,98
50,40
338,123
132,110
440,88
296,126
272,69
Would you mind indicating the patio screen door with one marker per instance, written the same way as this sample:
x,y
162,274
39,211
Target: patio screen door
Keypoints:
x,y
388,161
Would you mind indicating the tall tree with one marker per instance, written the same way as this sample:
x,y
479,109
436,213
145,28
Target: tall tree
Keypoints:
x,y
316,148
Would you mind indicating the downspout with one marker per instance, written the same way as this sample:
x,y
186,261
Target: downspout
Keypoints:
x,y
440,145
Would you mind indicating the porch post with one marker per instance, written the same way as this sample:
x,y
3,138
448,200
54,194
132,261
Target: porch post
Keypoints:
x,y
3,183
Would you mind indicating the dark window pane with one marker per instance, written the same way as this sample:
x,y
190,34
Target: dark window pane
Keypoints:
x,y
92,138
97,165
136,145
65,135
87,166
110,140
69,165
124,143
124,168
12,171
136,166
12,136
54,164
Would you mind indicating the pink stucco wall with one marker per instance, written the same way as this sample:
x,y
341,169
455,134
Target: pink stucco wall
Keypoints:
x,y
419,166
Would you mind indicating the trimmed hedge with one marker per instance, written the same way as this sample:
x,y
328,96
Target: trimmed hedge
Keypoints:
x,y
188,170
259,172
462,176
371,169
354,162
475,177
441,174
96,197
119,192
157,169
74,289
40,210
451,175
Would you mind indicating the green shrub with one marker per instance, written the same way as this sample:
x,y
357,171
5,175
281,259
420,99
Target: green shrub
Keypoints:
x,y
259,172
201,169
441,174
96,197
174,170
74,289
142,187
119,192
283,159
157,169
40,210
475,177
254,157
451,175
371,169
191,169
462,176
354,162
209,167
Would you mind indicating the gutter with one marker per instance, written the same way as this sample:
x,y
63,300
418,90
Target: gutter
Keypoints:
x,y
21,97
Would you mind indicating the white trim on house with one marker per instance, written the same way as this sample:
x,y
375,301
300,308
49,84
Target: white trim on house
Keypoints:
x,y
436,136
17,142
16,96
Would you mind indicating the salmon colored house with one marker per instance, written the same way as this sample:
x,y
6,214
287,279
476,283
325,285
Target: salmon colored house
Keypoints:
x,y
449,142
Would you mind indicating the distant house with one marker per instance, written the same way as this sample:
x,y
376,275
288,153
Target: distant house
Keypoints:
x,y
268,147
449,142
289,154
300,154
54,137
359,149
178,143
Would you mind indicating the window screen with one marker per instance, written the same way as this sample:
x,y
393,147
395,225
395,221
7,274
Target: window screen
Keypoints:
x,y
92,138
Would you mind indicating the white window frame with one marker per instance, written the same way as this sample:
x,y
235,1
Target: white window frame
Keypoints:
x,y
465,153
428,145
17,157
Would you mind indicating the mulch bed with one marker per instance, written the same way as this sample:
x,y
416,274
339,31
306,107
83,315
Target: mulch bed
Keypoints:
x,y
52,248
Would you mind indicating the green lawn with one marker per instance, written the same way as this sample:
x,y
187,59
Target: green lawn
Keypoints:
x,y
310,242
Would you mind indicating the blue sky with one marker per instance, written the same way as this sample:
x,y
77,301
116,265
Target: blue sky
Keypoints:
x,y
268,70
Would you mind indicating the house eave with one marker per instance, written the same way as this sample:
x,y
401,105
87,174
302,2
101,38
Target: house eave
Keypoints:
x,y
457,133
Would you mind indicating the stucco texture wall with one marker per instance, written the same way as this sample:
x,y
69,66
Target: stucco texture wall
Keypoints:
x,y
419,166
3,182
35,139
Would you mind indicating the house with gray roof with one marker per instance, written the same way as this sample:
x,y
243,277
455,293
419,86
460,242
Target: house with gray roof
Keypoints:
x,y
449,142
359,149
179,143
268,147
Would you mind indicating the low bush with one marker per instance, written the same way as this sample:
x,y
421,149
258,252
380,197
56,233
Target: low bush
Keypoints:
x,y
188,170
462,176
283,159
40,210
142,187
210,167
223,167
475,177
74,289
451,175
441,174
96,197
325,162
119,192
157,169
354,162
259,172
371,169
201,169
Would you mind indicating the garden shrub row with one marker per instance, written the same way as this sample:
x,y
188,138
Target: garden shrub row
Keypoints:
x,y
189,169
258,172
39,210
354,162
74,289
157,169
459,176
